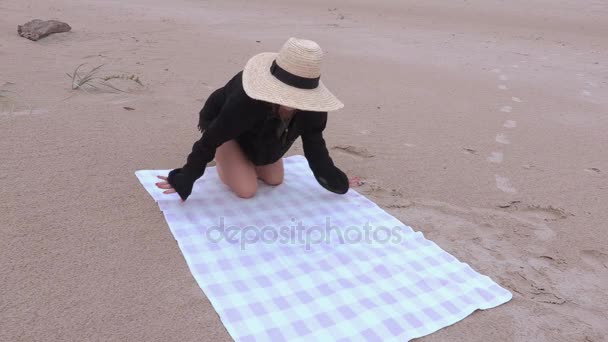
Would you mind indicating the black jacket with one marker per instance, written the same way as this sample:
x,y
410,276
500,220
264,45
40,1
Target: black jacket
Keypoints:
x,y
229,113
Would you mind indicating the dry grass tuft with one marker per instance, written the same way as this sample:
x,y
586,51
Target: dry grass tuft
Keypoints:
x,y
130,77
7,101
93,80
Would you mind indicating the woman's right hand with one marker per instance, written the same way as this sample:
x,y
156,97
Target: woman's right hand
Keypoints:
x,y
165,185
177,181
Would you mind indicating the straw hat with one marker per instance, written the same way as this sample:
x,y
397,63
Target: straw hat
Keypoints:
x,y
290,78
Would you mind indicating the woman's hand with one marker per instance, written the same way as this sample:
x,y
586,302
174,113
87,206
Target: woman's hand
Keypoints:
x,y
165,185
332,178
178,182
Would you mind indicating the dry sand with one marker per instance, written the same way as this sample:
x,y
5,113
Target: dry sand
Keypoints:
x,y
481,123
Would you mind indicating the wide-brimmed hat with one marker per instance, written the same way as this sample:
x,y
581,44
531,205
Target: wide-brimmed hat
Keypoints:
x,y
290,78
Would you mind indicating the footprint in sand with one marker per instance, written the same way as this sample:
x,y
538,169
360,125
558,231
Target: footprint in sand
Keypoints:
x,y
387,198
537,217
504,184
595,259
506,109
544,214
593,170
550,262
502,139
591,83
354,151
449,221
532,285
536,212
495,157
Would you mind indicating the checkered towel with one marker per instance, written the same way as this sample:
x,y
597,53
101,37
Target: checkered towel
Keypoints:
x,y
297,262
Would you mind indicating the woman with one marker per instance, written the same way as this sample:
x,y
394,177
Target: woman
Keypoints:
x,y
251,122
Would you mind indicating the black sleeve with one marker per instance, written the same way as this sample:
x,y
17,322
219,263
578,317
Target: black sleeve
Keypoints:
x,y
238,114
315,151
212,107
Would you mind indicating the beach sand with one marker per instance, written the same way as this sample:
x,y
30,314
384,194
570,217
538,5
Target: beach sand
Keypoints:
x,y
481,123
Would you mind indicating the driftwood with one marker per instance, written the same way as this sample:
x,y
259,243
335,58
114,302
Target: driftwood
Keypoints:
x,y
38,29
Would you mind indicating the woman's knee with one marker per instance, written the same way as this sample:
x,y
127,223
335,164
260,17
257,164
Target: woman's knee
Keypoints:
x,y
271,174
273,178
245,189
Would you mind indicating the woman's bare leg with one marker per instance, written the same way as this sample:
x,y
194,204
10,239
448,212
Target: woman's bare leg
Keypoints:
x,y
271,174
239,173
235,170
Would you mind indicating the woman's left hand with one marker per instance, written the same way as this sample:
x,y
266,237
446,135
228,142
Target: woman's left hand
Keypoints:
x,y
165,185
332,179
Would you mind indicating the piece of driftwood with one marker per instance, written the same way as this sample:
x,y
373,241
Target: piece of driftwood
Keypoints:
x,y
38,29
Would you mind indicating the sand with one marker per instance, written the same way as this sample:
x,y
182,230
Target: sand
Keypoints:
x,y
481,123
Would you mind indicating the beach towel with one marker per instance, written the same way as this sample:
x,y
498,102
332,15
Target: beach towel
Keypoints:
x,y
299,263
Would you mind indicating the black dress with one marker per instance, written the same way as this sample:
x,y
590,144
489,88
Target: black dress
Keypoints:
x,y
229,113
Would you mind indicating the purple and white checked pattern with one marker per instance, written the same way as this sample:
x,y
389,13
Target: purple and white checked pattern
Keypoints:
x,y
342,289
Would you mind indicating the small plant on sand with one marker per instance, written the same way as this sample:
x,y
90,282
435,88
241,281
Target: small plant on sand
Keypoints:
x,y
93,80
11,101
7,101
